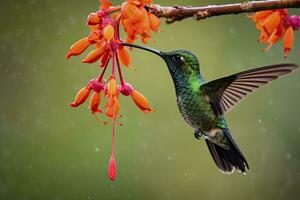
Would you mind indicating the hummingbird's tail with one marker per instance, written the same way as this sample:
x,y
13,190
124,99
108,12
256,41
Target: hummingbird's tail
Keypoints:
x,y
228,160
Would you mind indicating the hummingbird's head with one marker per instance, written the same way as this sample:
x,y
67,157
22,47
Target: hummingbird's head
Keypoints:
x,y
179,62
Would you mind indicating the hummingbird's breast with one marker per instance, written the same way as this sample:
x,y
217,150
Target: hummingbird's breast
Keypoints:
x,y
196,111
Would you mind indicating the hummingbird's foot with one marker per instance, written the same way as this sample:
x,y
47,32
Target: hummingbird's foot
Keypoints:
x,y
197,134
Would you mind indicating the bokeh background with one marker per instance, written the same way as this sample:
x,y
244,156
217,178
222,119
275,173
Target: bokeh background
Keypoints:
x,y
51,151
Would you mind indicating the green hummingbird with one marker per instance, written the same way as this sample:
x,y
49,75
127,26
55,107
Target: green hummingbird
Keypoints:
x,y
203,104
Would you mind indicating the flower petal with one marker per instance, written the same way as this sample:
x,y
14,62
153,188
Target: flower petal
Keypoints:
x,y
154,22
141,101
94,102
81,97
130,10
288,40
78,47
124,56
105,4
93,19
272,22
260,15
96,54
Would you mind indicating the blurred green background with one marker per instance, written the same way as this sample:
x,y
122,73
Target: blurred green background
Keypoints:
x,y
50,151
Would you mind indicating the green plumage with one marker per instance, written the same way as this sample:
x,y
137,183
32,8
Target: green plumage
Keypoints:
x,y
191,98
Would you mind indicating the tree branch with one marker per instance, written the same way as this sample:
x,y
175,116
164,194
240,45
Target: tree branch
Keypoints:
x,y
177,13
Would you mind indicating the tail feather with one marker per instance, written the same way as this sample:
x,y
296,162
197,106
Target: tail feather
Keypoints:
x,y
228,160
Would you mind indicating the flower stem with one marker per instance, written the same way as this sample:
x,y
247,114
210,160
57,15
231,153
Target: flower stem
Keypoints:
x,y
113,135
103,71
120,71
113,70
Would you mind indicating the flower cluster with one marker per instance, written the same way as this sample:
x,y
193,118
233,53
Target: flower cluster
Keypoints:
x,y
105,38
137,21
275,25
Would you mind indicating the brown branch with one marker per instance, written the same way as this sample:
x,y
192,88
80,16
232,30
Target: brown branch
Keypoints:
x,y
177,13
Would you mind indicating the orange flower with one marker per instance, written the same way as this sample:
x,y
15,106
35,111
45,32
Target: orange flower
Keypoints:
x,y
137,21
78,47
276,25
96,54
94,102
154,22
141,101
81,97
93,19
105,4
124,56
288,40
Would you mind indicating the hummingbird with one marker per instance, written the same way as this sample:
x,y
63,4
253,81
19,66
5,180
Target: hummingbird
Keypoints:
x,y
203,104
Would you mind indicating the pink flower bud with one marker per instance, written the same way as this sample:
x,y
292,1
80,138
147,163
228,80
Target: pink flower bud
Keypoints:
x,y
95,85
126,89
112,168
294,21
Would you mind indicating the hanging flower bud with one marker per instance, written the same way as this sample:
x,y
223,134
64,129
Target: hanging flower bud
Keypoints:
x,y
109,32
288,40
95,54
112,168
94,102
141,101
124,56
81,97
78,47
112,86
93,19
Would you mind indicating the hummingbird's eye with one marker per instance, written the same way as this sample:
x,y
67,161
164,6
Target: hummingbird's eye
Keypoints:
x,y
179,58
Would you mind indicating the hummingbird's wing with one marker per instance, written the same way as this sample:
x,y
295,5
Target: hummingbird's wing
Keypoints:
x,y
224,93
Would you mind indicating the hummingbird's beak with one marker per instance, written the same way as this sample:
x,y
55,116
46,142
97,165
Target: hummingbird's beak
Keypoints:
x,y
155,51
